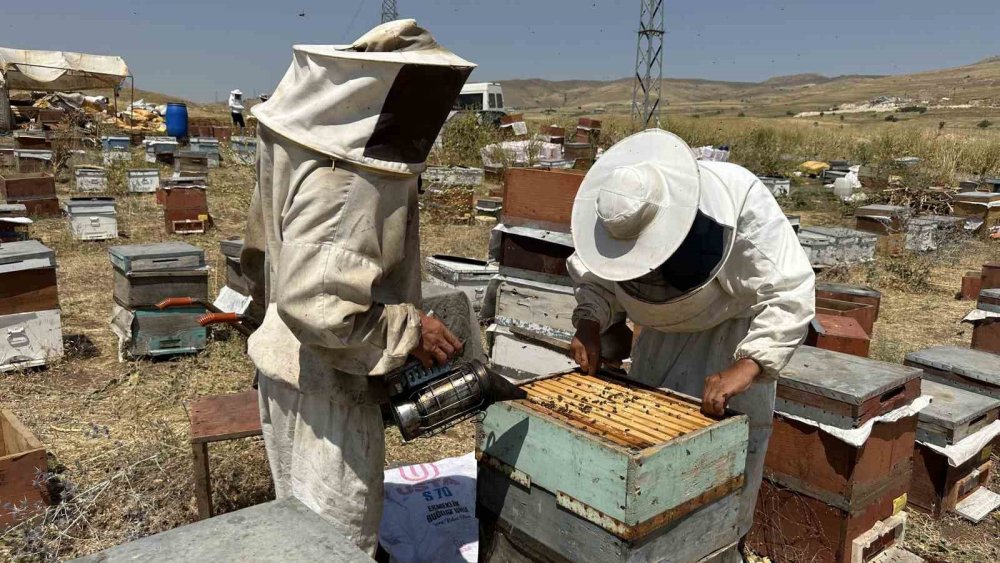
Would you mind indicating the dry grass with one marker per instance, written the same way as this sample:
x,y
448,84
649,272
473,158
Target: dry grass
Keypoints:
x,y
117,432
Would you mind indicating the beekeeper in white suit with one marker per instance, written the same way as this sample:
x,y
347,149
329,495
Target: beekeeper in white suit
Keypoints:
x,y
702,258
332,248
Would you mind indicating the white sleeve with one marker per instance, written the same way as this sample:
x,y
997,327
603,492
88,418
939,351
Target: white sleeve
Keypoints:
x,y
769,266
595,297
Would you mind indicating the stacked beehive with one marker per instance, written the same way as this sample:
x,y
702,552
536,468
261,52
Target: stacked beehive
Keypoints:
x,y
185,205
984,287
160,149
530,303
838,463
145,275
845,318
596,469
29,306
115,149
469,275
208,146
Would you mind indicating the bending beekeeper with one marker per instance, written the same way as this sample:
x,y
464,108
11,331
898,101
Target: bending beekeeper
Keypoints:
x,y
332,247
702,258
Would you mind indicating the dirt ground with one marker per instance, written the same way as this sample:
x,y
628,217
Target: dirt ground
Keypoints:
x,y
116,432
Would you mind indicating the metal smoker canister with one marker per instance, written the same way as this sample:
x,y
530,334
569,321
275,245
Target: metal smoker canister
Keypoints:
x,y
444,402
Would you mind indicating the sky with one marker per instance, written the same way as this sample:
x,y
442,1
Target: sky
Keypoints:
x,y
200,50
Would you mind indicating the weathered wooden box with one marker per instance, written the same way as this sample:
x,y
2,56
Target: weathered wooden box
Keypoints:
x,y
954,415
838,334
843,390
467,274
790,527
32,160
535,250
852,293
185,209
535,305
540,198
188,163
156,257
152,333
972,370
626,458
143,180
861,312
981,207
532,519
521,358
32,140
31,339
881,219
27,278
146,289
844,246
92,218
18,186
232,250
23,468
90,178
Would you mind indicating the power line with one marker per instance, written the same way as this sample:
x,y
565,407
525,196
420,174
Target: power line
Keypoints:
x,y
648,65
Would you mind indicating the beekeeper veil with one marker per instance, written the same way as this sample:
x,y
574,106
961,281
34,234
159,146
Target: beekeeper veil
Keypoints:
x,y
379,102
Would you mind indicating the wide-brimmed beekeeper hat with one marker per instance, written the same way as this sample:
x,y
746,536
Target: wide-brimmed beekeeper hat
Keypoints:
x,y
380,101
636,205
237,92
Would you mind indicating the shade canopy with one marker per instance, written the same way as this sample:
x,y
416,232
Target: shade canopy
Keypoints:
x,y
53,71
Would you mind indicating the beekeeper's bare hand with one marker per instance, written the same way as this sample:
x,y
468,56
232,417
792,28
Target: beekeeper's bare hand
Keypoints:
x,y
586,346
437,343
722,386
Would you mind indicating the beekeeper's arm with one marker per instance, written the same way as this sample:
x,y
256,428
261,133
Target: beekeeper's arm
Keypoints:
x,y
769,268
331,256
597,309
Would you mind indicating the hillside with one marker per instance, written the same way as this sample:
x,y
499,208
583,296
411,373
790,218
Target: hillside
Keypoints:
x,y
979,82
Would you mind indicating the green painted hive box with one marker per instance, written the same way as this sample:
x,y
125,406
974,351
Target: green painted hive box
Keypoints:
x,y
151,332
628,458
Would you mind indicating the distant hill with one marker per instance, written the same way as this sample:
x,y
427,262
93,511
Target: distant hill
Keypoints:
x,y
979,81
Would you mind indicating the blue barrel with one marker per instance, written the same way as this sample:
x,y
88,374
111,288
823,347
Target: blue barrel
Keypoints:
x,y
177,120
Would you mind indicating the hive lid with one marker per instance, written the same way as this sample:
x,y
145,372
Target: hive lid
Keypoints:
x,y
952,406
157,256
839,233
843,377
456,268
881,211
13,210
965,362
25,255
85,204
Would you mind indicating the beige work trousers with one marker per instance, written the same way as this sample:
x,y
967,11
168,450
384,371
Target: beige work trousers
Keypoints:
x,y
682,361
329,454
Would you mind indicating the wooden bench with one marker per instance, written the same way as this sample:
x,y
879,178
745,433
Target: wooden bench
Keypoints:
x,y
217,419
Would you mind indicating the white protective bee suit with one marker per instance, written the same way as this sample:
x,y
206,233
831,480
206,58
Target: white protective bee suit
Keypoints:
x,y
333,248
754,299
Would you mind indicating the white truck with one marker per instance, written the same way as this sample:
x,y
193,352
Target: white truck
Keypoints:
x,y
480,96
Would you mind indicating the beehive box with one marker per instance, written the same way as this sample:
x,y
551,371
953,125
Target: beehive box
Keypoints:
x,y
540,198
972,370
922,235
982,207
27,278
90,178
15,229
152,333
938,486
31,339
467,274
838,334
32,140
622,456
146,289
520,358
92,218
190,163
115,143
534,250
841,389
185,209
143,180
533,304
861,312
848,245
159,256
852,293
20,186
22,469
109,158
232,250
31,160
881,219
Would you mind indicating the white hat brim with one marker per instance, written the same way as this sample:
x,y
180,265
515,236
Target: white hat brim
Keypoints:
x,y
621,260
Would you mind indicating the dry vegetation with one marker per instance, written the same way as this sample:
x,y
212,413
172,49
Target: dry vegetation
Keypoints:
x,y
117,432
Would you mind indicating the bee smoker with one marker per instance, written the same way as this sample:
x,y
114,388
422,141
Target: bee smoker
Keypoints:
x,y
427,401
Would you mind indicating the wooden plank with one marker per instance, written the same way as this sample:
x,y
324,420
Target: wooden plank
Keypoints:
x,y
26,291
978,505
954,414
202,479
546,196
22,459
534,522
225,417
806,453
